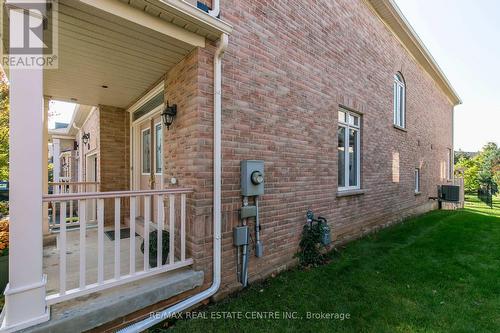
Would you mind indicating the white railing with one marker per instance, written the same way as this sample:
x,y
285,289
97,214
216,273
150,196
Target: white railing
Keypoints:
x,y
67,187
82,271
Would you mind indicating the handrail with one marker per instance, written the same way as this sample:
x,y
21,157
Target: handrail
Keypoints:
x,y
73,183
114,194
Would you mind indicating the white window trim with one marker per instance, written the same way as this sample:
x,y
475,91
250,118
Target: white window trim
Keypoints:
x,y
399,101
417,180
142,151
154,153
348,126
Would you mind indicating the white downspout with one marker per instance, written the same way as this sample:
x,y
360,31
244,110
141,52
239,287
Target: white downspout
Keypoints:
x,y
153,320
215,11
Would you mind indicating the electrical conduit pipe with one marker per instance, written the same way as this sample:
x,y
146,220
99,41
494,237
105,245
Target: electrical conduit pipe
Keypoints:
x,y
193,300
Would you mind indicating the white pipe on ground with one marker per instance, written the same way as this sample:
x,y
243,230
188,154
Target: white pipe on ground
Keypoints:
x,y
193,300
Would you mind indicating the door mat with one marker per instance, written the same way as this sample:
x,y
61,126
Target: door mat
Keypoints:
x,y
124,233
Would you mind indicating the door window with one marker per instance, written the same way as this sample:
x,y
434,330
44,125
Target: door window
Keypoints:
x,y
146,151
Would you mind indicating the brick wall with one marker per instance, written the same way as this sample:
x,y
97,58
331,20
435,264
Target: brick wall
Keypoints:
x,y
110,139
114,156
285,74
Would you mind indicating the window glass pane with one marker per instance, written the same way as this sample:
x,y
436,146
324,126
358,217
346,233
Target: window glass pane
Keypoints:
x,y
146,151
342,116
356,120
158,145
351,119
353,157
402,106
417,180
341,157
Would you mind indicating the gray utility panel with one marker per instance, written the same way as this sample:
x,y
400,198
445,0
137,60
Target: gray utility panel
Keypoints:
x,y
252,178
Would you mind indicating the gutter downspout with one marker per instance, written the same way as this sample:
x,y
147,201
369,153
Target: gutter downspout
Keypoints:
x,y
215,11
193,300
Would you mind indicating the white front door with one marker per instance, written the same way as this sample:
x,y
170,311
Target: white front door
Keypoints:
x,y
147,157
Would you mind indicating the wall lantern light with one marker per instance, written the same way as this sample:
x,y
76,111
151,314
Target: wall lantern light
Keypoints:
x,y
86,139
169,114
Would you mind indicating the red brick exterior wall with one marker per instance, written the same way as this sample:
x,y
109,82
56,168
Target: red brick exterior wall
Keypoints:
x,y
110,138
114,157
285,74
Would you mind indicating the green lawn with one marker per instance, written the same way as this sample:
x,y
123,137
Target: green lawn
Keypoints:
x,y
439,272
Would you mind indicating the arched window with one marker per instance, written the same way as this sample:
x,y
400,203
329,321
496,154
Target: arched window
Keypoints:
x,y
399,100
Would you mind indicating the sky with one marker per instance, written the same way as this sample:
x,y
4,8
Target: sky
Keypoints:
x,y
60,112
464,38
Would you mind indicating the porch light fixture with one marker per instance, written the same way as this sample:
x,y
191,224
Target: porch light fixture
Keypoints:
x,y
86,139
169,114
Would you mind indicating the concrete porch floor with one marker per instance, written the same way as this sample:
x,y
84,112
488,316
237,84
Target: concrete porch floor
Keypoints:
x,y
51,259
95,309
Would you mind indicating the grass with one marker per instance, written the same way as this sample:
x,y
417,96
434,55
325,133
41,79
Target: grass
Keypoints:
x,y
439,272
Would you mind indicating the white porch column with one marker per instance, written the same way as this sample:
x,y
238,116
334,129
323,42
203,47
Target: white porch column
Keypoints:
x,y
45,162
25,294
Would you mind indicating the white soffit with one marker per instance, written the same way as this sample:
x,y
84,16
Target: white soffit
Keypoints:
x,y
125,45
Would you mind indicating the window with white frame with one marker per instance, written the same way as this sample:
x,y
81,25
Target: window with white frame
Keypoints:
x,y
158,148
399,100
417,180
348,150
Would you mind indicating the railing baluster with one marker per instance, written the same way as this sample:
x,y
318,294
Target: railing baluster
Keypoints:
x,y
83,230
62,250
183,227
172,229
70,206
117,238
52,220
91,206
132,235
100,241
147,214
159,238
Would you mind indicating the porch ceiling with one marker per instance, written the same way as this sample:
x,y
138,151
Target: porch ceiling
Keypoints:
x,y
105,43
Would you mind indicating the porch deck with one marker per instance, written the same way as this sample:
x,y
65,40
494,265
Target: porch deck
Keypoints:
x,y
51,258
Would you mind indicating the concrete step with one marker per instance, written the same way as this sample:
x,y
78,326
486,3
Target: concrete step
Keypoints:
x,y
87,312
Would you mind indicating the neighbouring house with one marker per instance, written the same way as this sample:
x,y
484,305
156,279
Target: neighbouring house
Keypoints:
x,y
342,102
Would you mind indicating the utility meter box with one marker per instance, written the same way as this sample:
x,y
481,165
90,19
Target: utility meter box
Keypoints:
x,y
252,178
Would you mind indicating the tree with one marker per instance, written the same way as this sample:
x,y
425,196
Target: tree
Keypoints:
x,y
470,167
481,170
4,128
490,160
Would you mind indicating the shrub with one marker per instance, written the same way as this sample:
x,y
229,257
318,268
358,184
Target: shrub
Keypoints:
x,y
4,208
4,237
310,245
153,247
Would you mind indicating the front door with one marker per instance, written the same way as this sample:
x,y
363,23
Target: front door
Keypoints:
x,y
148,158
